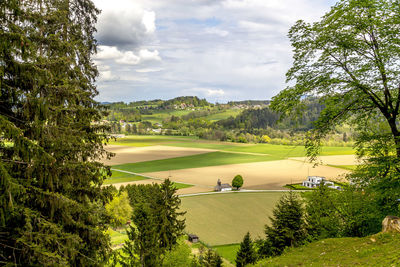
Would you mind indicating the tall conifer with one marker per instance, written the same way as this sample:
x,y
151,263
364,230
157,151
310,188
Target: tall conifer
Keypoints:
x,y
51,200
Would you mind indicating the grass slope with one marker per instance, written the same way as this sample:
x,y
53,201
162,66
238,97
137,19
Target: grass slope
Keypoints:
x,y
195,161
220,219
378,250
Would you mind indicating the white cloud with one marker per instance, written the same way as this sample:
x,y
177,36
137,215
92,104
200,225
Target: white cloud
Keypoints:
x,y
148,70
211,92
148,20
216,31
108,76
147,55
126,57
107,52
218,49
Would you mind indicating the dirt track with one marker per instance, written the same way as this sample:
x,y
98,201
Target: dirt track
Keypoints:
x,y
127,154
259,175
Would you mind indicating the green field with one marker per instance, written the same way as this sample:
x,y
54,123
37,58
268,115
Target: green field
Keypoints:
x,y
377,250
228,251
220,219
278,151
122,177
223,115
195,161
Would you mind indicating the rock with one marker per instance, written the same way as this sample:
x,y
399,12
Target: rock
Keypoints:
x,y
391,224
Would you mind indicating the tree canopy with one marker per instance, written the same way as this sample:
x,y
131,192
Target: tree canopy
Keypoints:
x,y
51,201
351,59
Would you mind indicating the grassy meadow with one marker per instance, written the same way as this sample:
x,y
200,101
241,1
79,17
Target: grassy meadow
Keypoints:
x,y
377,250
220,219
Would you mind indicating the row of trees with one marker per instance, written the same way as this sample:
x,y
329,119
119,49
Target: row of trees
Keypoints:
x,y
319,214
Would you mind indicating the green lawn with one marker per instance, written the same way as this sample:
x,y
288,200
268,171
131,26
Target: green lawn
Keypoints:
x,y
377,250
228,251
220,219
194,161
122,177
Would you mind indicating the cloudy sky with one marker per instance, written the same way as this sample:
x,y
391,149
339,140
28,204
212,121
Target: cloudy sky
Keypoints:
x,y
216,49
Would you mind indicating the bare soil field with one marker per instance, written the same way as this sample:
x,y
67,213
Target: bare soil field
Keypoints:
x,y
333,160
127,154
258,175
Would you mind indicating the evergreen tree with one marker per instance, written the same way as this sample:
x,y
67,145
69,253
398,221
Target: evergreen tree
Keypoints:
x,y
246,253
158,222
142,248
210,258
170,225
287,226
51,201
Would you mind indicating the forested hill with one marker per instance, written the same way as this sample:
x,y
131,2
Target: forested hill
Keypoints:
x,y
265,117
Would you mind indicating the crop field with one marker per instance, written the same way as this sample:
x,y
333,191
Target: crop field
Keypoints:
x,y
194,161
202,163
126,154
122,177
220,219
256,175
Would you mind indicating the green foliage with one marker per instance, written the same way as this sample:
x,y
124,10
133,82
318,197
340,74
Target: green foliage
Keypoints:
x,y
119,210
209,258
246,254
333,213
51,200
142,247
158,222
351,60
287,226
180,255
237,181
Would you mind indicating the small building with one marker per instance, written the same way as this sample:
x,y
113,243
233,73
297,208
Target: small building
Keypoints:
x,y
193,238
315,181
222,187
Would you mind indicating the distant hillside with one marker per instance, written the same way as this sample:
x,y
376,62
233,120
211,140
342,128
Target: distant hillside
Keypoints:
x,y
377,250
184,102
250,102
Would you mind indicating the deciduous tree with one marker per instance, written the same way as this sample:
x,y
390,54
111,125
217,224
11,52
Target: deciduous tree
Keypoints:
x,y
351,60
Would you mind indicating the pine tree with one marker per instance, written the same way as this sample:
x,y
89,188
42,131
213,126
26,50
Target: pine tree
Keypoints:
x,y
51,201
287,225
170,223
246,253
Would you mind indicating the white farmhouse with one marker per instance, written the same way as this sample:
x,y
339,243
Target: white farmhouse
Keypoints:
x,y
315,181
